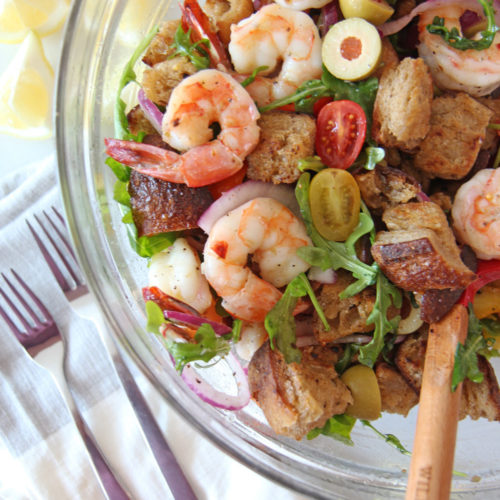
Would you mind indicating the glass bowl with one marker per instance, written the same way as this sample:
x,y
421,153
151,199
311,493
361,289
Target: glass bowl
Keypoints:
x,y
100,38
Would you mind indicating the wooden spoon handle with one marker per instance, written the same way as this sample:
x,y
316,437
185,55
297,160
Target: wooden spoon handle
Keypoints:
x,y
435,436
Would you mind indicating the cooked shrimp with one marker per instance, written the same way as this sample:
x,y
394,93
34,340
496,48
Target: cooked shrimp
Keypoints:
x,y
476,72
303,4
176,271
271,36
266,229
476,213
207,97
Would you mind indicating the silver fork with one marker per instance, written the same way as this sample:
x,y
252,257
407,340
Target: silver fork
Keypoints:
x,y
37,330
73,288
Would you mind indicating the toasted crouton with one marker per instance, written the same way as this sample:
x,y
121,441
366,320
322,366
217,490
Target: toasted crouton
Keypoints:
x,y
479,400
402,109
159,81
491,138
285,139
345,316
419,252
137,122
396,394
160,206
297,397
223,13
458,128
160,48
383,187
388,58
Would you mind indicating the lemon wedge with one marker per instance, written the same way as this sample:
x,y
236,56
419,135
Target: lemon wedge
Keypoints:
x,y
26,89
18,17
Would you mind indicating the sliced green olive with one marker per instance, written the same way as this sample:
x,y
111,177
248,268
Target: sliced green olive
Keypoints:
x,y
363,384
335,202
352,49
375,11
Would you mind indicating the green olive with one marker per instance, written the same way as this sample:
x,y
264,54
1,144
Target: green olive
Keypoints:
x,y
375,11
363,384
352,49
335,202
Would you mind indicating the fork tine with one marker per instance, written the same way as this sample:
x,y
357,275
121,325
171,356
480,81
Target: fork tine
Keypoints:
x,y
63,282
63,236
15,309
18,333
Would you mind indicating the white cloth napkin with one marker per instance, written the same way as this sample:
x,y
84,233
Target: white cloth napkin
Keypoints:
x,y
212,474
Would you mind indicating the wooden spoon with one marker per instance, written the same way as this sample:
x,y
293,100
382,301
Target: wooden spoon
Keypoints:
x,y
435,436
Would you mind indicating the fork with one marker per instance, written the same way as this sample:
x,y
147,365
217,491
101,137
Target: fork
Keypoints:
x,y
76,288
32,336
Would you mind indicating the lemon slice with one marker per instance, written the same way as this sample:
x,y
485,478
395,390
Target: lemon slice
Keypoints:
x,y
18,17
26,89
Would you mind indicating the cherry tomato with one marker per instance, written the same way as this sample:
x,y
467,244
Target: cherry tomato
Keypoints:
x,y
335,201
341,131
228,183
320,104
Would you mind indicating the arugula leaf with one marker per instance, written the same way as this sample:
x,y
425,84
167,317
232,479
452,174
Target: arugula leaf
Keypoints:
x,y
454,39
363,92
193,51
154,316
128,75
386,295
388,438
466,362
252,76
370,157
280,323
207,347
350,350
235,334
303,98
491,325
331,254
338,427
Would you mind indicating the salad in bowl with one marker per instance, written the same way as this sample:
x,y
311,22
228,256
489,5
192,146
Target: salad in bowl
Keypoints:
x,y
310,186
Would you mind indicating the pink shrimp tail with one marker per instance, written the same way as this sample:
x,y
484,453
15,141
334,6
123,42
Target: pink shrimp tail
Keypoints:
x,y
197,167
146,159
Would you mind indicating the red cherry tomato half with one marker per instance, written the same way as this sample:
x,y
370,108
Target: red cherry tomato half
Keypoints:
x,y
341,131
320,104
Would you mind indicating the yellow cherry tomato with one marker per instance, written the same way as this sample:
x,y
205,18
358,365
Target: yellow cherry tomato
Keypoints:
x,y
335,201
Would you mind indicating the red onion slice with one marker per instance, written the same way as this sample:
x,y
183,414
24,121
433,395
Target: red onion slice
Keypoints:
x,y
189,319
394,26
217,398
153,114
245,192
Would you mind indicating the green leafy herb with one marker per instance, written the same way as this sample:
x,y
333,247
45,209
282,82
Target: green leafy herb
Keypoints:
x,y
251,78
496,162
147,246
313,163
343,363
331,254
453,37
387,294
128,75
207,347
280,323
494,126
154,316
363,93
466,362
388,438
193,51
303,98
235,334
338,427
